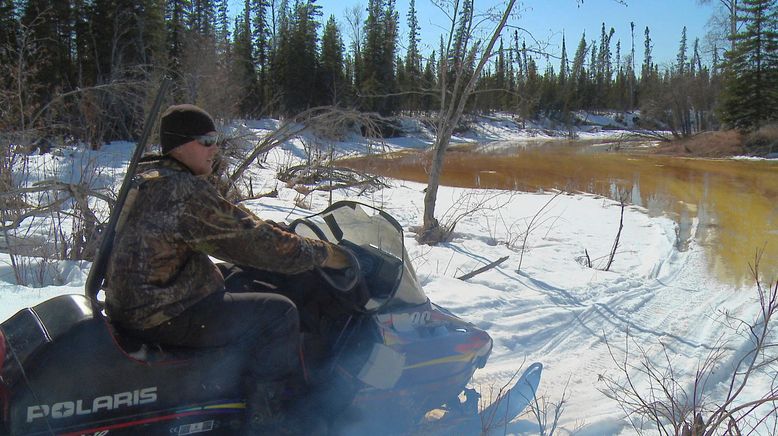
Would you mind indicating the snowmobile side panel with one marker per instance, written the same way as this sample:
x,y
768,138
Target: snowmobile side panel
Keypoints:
x,y
102,386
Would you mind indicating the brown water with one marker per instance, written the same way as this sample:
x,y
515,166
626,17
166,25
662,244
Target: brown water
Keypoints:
x,y
735,202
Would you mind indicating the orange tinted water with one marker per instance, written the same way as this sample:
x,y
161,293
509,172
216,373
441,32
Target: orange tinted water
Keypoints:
x,y
734,202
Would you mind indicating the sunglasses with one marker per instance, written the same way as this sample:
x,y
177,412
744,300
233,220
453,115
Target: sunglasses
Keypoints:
x,y
209,140
206,140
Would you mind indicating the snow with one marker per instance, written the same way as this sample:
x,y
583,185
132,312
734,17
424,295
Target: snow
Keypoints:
x,y
553,309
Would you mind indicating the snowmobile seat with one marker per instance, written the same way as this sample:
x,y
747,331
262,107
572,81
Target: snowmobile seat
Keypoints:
x,y
31,330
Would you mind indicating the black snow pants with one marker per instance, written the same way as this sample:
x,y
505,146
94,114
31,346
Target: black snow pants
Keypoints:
x,y
265,325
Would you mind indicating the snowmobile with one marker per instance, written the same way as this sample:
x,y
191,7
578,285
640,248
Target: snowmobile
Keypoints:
x,y
66,371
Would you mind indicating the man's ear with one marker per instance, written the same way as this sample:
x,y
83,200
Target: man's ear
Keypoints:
x,y
176,152
179,153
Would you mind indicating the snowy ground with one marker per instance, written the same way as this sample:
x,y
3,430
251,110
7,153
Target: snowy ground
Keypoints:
x,y
553,310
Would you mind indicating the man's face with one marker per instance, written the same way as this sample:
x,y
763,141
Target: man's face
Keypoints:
x,y
196,155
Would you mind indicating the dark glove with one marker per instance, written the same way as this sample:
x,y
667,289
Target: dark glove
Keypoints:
x,y
281,226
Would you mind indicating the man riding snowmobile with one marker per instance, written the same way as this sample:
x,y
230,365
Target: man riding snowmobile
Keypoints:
x,y
378,353
161,287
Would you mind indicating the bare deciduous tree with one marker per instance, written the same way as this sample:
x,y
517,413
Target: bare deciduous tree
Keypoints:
x,y
731,12
460,68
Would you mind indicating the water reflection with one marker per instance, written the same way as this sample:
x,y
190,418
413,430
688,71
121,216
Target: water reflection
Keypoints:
x,y
729,207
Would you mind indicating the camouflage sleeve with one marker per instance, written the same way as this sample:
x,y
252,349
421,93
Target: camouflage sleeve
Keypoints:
x,y
214,226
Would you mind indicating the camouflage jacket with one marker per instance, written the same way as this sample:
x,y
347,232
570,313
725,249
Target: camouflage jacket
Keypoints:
x,y
159,265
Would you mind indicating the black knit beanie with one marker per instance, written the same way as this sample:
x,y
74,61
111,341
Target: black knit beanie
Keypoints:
x,y
181,123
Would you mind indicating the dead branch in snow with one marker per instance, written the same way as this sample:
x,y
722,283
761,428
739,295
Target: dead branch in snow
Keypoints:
x,y
618,236
483,268
324,122
339,177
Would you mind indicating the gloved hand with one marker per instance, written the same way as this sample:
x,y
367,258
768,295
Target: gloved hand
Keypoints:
x,y
281,226
337,258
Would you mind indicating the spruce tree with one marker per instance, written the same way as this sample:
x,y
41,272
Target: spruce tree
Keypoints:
x,y
500,81
261,48
8,29
222,22
429,82
680,65
412,79
632,80
370,84
202,19
176,16
648,61
244,71
679,85
563,64
578,76
603,68
376,77
331,63
391,23
296,66
750,95
51,32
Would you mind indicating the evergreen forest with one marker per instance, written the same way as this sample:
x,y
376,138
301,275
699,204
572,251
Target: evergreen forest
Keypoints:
x,y
85,69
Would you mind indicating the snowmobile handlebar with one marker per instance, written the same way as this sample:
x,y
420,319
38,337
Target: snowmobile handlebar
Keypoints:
x,y
343,280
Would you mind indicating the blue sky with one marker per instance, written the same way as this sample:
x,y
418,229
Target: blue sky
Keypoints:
x,y
546,20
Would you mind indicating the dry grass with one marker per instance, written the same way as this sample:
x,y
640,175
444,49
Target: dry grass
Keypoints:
x,y
707,144
725,144
764,141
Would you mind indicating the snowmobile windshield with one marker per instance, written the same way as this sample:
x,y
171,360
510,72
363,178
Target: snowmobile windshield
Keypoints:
x,y
393,281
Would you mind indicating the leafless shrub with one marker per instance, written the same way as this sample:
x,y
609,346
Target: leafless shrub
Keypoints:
x,y
764,141
492,422
670,406
531,226
587,261
45,217
469,203
548,412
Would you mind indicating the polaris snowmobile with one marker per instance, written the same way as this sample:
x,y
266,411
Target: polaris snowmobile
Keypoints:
x,y
66,371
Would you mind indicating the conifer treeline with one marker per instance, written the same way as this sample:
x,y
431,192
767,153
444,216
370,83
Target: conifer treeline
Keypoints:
x,y
279,57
